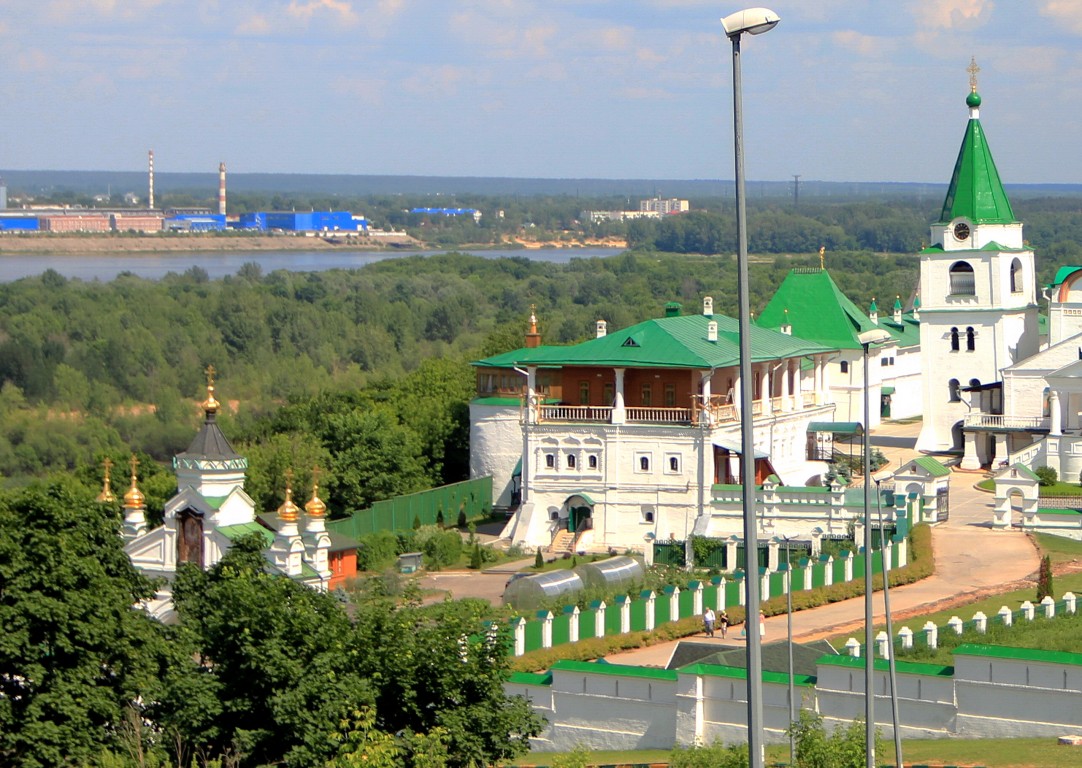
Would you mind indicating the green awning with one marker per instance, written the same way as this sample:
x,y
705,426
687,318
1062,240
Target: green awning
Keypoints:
x,y
886,390
582,496
517,471
837,427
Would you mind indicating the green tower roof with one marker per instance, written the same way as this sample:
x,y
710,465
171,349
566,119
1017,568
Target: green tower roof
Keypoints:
x,y
975,192
818,310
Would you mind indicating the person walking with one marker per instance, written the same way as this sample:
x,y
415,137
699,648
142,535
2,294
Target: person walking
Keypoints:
x,y
723,622
708,622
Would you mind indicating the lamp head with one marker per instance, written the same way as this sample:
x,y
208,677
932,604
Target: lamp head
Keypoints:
x,y
754,21
874,336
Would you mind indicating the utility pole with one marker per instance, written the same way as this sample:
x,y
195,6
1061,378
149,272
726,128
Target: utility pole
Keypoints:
x,y
796,190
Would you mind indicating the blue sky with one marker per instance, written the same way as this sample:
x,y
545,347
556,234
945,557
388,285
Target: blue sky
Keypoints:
x,y
841,90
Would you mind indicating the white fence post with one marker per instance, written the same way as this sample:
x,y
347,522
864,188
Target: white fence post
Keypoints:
x,y
808,574
674,604
1007,615
906,635
1069,599
764,586
520,636
721,595
852,646
981,622
651,605
828,571
572,612
848,566
1028,610
931,633
1049,606
599,619
697,598
955,624
625,614
882,645
546,628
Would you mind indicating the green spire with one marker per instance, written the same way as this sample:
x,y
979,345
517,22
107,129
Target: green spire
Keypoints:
x,y
975,192
874,307
897,302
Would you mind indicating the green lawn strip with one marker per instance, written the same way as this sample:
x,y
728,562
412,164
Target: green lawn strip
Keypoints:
x,y
991,753
1056,489
1058,548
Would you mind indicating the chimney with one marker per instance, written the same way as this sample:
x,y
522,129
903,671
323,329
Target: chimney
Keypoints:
x,y
786,326
150,179
712,330
221,189
672,309
602,329
873,312
708,306
533,338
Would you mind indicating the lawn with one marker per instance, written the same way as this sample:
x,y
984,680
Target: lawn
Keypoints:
x,y
992,753
1061,550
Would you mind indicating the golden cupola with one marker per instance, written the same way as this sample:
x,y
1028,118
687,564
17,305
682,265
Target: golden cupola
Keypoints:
x,y
289,512
211,404
315,506
134,498
106,496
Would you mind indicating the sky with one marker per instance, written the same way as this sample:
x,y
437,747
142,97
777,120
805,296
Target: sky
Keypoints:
x,y
840,90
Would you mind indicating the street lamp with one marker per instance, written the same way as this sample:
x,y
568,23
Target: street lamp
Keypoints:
x,y
891,666
789,629
866,339
753,21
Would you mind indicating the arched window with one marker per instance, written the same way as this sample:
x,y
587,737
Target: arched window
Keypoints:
x,y
1016,276
955,393
962,280
570,461
971,339
644,463
592,462
844,365
954,339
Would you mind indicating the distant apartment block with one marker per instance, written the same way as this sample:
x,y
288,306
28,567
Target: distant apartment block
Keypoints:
x,y
648,209
75,223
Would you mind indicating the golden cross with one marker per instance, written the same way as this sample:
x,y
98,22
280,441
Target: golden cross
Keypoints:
x,y
315,476
133,463
108,464
210,375
973,69
289,478
822,250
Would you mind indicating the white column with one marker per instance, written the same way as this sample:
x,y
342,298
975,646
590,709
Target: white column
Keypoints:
x,y
786,395
1001,448
1072,410
533,405
970,460
619,413
1055,411
707,378
765,390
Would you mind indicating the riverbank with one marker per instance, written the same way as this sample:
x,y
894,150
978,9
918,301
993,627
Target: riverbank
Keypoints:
x,y
44,243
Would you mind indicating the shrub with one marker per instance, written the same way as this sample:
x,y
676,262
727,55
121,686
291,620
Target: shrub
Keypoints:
x,y
441,548
377,551
715,755
1046,476
439,517
1044,579
539,560
462,518
475,557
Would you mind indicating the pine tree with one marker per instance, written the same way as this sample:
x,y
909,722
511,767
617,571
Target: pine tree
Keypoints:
x,y
539,560
475,557
1044,579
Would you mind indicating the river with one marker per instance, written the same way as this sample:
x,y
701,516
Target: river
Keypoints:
x,y
221,263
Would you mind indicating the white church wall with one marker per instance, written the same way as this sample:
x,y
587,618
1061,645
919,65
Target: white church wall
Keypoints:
x,y
495,447
1013,697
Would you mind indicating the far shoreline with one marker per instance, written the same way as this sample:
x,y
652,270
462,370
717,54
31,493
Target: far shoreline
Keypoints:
x,y
96,244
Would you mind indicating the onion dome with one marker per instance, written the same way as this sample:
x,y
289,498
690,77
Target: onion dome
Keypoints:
x,y
288,512
315,506
106,496
973,99
134,498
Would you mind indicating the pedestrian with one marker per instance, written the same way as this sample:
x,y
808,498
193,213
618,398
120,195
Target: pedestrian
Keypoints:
x,y
723,622
708,622
762,625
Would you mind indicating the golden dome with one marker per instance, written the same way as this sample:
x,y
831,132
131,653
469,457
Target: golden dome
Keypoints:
x,y
315,506
289,512
210,405
134,498
106,496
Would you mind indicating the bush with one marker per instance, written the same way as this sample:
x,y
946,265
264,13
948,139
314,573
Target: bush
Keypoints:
x,y
715,755
1044,579
377,551
441,548
539,559
475,557
462,518
1046,476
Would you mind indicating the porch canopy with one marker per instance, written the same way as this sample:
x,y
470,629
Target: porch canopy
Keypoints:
x,y
735,447
847,428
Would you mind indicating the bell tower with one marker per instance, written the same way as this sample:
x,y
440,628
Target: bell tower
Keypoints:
x,y
978,293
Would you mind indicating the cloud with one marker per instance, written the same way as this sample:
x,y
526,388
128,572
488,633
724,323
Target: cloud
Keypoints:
x,y
368,89
72,10
861,44
615,38
304,10
255,24
1066,12
952,14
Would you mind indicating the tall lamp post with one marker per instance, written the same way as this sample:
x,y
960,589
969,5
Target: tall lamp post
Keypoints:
x,y
753,21
789,632
866,339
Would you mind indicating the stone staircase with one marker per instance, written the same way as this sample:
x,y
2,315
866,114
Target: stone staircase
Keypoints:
x,y
562,543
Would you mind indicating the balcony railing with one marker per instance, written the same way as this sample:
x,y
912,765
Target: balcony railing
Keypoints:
x,y
576,413
721,412
659,415
999,421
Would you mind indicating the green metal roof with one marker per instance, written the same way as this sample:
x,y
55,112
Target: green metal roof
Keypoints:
x,y
613,669
234,532
1019,654
837,427
531,678
501,401
740,673
1025,471
905,667
1062,274
933,467
975,191
667,342
817,310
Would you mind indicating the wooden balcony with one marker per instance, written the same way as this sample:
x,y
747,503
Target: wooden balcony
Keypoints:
x,y
721,412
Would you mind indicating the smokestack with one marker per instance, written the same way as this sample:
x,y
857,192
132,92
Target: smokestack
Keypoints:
x,y
602,328
221,189
150,179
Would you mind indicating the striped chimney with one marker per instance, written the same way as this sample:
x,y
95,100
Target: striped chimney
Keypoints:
x,y
150,179
221,189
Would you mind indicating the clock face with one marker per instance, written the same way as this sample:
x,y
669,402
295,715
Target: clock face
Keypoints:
x,y
961,230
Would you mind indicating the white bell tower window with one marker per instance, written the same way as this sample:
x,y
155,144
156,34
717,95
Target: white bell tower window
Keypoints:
x,y
1016,276
962,280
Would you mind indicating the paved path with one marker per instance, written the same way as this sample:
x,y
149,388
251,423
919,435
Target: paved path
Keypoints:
x,y
971,559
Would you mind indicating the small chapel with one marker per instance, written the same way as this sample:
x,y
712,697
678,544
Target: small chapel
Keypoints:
x,y
210,511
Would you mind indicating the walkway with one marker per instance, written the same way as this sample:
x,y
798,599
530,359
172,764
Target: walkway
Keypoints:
x,y
971,560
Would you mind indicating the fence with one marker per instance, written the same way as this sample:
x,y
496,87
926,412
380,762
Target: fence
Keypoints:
x,y
651,609
929,636
473,497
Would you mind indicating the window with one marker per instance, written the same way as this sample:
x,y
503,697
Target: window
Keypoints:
x,y
954,340
550,460
647,513
584,393
609,395
962,280
670,395
591,462
570,461
1016,276
884,361
844,365
643,462
674,463
647,394
953,387
971,339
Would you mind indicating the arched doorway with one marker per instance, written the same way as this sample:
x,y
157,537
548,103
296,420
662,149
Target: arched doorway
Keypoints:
x,y
190,538
580,513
